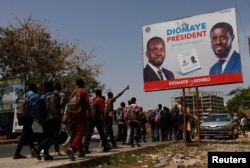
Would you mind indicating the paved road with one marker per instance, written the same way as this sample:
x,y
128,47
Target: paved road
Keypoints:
x,y
7,150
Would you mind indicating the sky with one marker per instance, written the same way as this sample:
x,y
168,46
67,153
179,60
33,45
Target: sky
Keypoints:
x,y
114,29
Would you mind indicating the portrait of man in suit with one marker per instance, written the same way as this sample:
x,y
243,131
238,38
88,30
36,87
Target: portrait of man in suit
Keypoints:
x,y
221,37
155,53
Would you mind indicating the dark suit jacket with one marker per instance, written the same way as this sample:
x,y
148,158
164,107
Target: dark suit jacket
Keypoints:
x,y
150,75
233,65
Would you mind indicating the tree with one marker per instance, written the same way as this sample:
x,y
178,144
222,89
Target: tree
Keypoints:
x,y
240,99
28,50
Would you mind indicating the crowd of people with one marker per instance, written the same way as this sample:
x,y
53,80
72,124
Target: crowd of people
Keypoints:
x,y
80,126
166,124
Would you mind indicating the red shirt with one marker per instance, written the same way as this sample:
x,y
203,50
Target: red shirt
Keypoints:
x,y
82,116
99,101
101,104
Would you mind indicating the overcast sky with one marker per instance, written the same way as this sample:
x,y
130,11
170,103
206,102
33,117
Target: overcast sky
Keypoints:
x,y
114,28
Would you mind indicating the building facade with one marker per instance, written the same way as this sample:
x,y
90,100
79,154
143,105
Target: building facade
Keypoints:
x,y
204,102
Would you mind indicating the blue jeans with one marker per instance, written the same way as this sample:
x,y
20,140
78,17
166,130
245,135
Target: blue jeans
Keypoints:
x,y
134,131
109,130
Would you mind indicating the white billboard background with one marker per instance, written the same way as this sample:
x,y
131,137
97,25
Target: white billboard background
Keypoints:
x,y
202,45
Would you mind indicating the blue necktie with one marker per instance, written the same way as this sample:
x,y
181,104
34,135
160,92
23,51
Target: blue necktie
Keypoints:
x,y
221,62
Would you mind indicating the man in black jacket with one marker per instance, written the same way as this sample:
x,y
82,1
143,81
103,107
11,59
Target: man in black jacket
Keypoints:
x,y
154,71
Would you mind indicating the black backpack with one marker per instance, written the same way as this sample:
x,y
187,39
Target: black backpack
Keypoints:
x,y
38,108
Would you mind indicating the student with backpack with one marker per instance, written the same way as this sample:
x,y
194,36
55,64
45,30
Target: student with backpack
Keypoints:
x,y
58,90
79,118
157,123
133,121
96,120
51,107
120,120
27,133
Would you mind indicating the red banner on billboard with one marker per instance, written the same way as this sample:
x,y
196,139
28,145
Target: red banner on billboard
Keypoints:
x,y
193,81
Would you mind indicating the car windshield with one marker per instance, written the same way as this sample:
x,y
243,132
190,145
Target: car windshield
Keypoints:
x,y
217,118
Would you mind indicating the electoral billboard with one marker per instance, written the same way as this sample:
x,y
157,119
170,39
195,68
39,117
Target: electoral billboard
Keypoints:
x,y
10,90
199,50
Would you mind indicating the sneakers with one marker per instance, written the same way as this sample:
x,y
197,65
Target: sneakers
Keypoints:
x,y
19,156
42,152
48,157
106,148
58,154
36,153
87,152
81,155
115,147
70,154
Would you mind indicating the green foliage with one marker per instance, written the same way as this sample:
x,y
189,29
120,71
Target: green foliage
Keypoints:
x,y
28,50
240,99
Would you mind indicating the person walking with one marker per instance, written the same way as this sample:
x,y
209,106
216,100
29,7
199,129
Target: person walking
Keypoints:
x,y
120,120
174,115
158,121
27,132
79,122
142,125
96,121
134,124
68,126
110,115
50,124
167,123
58,90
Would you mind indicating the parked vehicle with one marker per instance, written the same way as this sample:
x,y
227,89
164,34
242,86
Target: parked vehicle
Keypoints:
x,y
220,124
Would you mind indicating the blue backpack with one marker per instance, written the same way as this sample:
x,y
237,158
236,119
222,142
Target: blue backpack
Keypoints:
x,y
119,115
38,108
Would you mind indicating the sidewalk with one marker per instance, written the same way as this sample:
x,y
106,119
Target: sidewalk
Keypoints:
x,y
96,157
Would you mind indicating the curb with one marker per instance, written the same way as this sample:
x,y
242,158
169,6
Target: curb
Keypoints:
x,y
9,141
96,161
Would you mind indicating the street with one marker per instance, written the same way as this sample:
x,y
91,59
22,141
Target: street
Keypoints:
x,y
8,150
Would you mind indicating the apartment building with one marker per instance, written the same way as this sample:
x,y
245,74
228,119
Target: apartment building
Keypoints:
x,y
206,101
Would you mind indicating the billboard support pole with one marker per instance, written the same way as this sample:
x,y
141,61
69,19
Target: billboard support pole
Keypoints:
x,y
186,120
